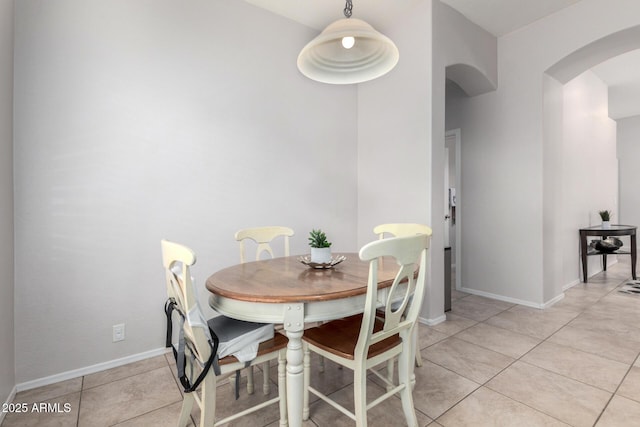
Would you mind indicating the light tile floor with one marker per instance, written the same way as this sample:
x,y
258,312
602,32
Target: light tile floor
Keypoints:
x,y
490,364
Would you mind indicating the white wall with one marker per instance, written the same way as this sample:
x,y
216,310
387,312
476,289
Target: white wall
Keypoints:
x,y
503,169
628,145
457,41
394,124
589,168
7,342
393,132
137,121
401,126
552,188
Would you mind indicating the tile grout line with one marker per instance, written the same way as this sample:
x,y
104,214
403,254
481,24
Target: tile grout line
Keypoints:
x,y
565,325
484,384
615,393
529,351
149,369
480,385
80,401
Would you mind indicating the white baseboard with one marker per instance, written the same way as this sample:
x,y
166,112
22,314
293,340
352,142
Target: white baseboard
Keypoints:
x,y
578,281
501,297
513,300
28,385
552,301
431,322
10,398
571,285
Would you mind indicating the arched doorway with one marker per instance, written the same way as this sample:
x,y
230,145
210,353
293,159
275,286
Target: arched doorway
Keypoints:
x,y
561,255
462,81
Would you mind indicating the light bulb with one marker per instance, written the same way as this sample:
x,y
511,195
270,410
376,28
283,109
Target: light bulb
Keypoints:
x,y
348,42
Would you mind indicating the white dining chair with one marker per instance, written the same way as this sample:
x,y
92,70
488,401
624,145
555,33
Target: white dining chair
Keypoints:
x,y
199,358
363,341
262,237
401,229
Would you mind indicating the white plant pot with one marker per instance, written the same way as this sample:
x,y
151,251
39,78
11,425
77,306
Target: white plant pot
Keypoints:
x,y
321,255
606,225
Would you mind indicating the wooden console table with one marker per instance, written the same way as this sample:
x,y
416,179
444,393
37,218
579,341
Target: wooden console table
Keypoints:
x,y
615,230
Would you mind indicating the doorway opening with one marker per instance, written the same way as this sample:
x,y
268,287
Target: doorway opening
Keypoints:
x,y
452,194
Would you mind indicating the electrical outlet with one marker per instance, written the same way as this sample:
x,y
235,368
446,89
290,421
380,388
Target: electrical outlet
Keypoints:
x,y
118,332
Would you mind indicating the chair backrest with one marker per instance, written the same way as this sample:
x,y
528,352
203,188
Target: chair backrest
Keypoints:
x,y
401,229
263,236
410,253
177,261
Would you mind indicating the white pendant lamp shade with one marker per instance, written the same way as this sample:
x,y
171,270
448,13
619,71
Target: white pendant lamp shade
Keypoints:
x,y
329,58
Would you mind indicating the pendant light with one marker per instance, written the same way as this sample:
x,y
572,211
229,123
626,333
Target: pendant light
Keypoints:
x,y
348,51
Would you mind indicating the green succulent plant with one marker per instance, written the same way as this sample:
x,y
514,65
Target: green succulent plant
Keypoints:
x,y
605,215
317,239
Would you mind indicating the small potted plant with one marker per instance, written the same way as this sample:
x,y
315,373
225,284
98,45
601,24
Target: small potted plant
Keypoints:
x,y
606,218
320,247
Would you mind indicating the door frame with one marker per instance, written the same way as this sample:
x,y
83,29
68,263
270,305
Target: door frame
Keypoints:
x,y
459,201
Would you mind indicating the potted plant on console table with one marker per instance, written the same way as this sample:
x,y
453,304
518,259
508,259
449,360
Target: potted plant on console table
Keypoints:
x,y
606,219
320,247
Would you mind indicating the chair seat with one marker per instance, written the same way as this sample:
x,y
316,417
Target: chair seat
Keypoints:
x,y
340,337
278,342
239,338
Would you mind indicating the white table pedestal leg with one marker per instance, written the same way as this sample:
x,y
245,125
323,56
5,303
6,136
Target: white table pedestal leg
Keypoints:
x,y
294,327
295,378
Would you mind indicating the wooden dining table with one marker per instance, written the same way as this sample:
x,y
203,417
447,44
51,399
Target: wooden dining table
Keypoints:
x,y
286,291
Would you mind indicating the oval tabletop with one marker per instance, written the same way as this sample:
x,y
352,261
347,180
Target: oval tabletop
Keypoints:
x,y
281,280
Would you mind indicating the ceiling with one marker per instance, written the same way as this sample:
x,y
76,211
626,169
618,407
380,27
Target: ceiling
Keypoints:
x,y
498,17
320,13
